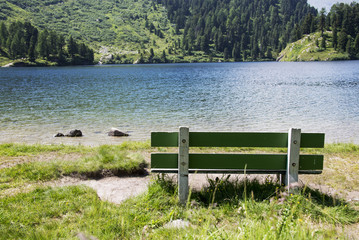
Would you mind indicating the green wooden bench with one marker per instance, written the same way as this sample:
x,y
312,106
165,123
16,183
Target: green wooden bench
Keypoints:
x,y
288,165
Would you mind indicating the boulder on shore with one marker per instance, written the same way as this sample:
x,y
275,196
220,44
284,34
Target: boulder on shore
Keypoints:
x,y
117,133
74,133
59,135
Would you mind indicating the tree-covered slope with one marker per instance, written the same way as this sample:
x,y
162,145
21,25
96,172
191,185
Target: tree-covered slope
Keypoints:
x,y
109,26
332,36
23,44
127,31
238,29
313,47
103,22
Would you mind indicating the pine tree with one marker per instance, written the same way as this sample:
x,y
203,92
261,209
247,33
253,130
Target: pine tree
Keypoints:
x,y
356,44
60,47
205,44
52,43
4,34
269,53
322,21
335,38
349,48
72,47
15,46
323,44
42,47
226,54
342,41
236,52
163,57
31,52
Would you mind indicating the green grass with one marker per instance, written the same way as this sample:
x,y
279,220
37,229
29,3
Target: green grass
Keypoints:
x,y
306,49
17,149
90,163
117,25
53,213
226,209
4,61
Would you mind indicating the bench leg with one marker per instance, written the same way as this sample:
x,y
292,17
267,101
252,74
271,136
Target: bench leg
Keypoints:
x,y
291,178
183,161
280,178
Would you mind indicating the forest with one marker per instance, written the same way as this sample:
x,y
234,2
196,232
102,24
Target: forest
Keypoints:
x,y
342,22
155,31
250,30
239,29
22,40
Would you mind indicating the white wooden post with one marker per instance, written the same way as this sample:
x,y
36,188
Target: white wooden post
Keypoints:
x,y
294,136
183,160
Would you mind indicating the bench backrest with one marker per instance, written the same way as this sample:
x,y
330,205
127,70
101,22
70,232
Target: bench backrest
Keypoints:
x,y
291,164
218,163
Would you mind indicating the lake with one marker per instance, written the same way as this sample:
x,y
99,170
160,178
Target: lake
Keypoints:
x,y
36,103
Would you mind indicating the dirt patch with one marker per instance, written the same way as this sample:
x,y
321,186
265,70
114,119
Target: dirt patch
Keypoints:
x,y
350,196
112,189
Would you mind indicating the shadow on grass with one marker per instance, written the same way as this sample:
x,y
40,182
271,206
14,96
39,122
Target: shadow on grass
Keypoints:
x,y
228,190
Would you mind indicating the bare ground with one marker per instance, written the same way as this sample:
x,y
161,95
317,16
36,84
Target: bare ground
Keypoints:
x,y
112,189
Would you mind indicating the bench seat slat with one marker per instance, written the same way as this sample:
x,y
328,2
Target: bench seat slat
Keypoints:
x,y
236,139
264,162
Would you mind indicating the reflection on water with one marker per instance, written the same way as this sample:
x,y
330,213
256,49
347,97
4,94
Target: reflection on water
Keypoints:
x,y
36,103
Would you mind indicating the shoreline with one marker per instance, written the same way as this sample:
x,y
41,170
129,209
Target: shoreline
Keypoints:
x,y
15,64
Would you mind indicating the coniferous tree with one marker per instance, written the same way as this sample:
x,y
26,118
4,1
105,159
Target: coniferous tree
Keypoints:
x,y
3,34
42,47
163,57
323,43
342,41
72,47
15,46
335,38
236,52
32,46
24,41
322,21
226,54
349,48
356,44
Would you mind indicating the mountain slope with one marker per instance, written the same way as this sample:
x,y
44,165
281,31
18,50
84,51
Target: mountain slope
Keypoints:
x,y
103,22
150,31
119,26
312,48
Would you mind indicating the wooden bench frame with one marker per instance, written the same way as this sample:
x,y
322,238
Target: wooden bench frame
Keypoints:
x,y
288,165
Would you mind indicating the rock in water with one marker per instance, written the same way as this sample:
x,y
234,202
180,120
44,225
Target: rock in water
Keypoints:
x,y
74,133
59,135
117,133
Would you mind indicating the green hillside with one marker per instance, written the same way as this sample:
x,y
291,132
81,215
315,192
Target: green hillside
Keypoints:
x,y
111,27
311,48
156,31
326,37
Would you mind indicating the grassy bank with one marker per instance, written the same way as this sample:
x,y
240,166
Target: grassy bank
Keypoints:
x,y
227,209
24,164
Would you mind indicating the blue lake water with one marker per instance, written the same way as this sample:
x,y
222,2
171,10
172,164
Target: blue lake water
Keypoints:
x,y
36,103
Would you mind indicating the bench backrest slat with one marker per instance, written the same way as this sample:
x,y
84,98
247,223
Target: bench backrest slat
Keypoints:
x,y
236,139
263,162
